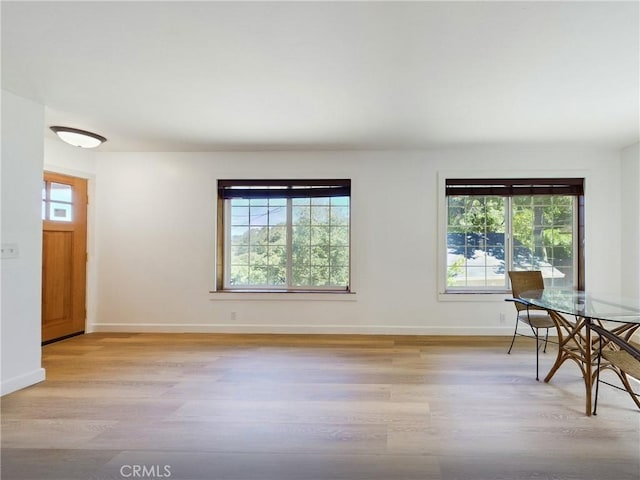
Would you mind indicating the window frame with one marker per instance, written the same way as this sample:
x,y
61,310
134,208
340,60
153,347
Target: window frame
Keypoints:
x,y
571,183
295,188
48,202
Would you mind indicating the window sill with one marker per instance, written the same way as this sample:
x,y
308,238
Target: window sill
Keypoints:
x,y
271,295
497,296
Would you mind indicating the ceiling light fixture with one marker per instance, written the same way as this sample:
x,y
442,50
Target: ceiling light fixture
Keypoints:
x,y
79,138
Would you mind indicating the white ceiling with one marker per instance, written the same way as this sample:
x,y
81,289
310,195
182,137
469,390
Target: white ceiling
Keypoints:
x,y
189,76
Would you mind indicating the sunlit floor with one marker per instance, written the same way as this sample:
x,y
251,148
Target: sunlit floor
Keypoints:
x,y
277,407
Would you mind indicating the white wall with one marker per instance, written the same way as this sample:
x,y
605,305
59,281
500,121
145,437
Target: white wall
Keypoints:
x,y
155,222
61,157
22,161
630,212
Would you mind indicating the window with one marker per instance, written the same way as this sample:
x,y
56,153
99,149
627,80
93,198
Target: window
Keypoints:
x,y
497,225
290,235
57,201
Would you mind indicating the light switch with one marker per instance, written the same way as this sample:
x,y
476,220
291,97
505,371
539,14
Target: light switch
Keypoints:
x,y
10,250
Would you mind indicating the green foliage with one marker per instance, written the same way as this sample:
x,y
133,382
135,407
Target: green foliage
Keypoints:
x,y
319,246
455,269
476,214
542,227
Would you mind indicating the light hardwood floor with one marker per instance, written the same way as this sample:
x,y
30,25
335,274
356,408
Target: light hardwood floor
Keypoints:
x,y
293,407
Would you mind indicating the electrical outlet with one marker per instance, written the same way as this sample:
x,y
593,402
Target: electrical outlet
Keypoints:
x,y
234,315
10,250
503,320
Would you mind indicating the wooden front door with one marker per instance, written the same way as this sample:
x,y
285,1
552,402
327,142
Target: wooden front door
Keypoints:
x,y
64,256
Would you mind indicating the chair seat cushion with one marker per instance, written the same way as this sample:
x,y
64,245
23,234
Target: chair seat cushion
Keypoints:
x,y
624,361
536,319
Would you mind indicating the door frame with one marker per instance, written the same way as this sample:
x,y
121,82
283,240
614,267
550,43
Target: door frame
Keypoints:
x,y
90,283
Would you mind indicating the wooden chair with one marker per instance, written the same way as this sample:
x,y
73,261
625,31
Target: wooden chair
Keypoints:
x,y
622,356
536,318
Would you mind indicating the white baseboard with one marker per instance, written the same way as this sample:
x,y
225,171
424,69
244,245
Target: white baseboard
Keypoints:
x,y
22,381
298,329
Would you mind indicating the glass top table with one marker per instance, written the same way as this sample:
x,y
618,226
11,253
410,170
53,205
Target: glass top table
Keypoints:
x,y
593,306
578,313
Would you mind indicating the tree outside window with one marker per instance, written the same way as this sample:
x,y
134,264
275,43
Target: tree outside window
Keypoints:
x,y
488,235
286,235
